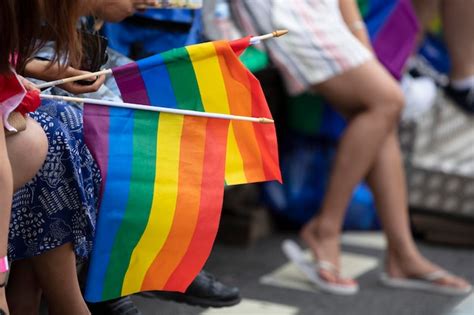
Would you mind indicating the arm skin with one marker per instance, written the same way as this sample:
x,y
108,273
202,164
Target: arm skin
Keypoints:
x,y
350,13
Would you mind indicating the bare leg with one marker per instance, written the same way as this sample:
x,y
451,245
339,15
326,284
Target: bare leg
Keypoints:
x,y
458,26
373,101
361,153
388,183
55,270
56,274
6,182
23,292
27,151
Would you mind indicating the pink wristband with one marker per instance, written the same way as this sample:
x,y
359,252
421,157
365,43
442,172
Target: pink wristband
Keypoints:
x,y
4,264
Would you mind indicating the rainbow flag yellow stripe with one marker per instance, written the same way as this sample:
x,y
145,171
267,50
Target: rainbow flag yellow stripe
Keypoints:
x,y
163,175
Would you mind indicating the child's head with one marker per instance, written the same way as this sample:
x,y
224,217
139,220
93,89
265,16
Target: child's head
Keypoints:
x,y
8,32
25,25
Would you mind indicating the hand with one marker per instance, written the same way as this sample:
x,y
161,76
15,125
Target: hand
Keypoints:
x,y
43,70
145,2
113,10
29,86
142,5
76,88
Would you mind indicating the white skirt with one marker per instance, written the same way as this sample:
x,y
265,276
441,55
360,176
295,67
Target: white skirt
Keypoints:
x,y
319,44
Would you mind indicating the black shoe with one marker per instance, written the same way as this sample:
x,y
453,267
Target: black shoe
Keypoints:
x,y
121,306
204,291
463,98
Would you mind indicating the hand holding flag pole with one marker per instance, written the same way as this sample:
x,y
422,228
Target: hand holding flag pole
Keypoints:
x,y
73,79
253,41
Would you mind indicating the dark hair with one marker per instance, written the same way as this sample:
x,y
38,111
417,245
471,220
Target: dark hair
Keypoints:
x,y
8,33
28,25
25,26
61,17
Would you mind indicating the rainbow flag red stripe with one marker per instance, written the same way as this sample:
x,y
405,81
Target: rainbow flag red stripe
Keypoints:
x,y
163,174
210,77
161,199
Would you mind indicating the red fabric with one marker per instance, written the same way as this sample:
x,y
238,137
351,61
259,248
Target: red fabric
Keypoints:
x,y
30,103
239,45
9,86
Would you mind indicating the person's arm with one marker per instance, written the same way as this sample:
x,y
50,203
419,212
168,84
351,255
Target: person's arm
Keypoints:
x,y
351,15
43,70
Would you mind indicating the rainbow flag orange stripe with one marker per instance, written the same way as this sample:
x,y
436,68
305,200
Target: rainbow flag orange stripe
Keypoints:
x,y
164,175
210,77
163,179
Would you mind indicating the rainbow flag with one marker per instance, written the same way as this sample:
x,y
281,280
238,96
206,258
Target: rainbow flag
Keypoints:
x,y
162,190
393,27
210,77
163,174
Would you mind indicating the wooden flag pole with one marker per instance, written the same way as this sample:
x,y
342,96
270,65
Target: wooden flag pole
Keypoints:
x,y
261,120
72,79
253,41
257,39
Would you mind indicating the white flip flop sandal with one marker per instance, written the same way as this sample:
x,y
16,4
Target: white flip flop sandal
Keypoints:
x,y
426,283
296,255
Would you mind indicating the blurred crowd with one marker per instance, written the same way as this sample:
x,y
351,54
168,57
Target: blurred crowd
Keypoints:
x,y
347,73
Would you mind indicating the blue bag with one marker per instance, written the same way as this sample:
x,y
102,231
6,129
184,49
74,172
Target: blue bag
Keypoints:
x,y
154,31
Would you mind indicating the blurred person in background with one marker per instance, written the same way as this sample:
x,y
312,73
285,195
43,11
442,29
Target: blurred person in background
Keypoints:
x,y
457,18
327,51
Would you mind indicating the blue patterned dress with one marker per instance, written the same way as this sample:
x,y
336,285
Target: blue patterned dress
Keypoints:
x,y
59,205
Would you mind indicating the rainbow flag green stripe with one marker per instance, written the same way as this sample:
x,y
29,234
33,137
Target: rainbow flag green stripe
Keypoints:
x,y
157,170
183,79
210,77
140,197
164,174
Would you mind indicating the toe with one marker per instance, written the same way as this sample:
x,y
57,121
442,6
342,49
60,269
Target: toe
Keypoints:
x,y
328,276
335,279
347,281
454,282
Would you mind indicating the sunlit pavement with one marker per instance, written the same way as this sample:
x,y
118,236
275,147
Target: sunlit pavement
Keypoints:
x,y
270,285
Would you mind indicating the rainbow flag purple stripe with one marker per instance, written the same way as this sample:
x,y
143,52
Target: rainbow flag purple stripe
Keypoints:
x,y
164,174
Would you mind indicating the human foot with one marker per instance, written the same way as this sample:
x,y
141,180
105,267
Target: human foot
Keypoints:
x,y
313,271
418,273
324,245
